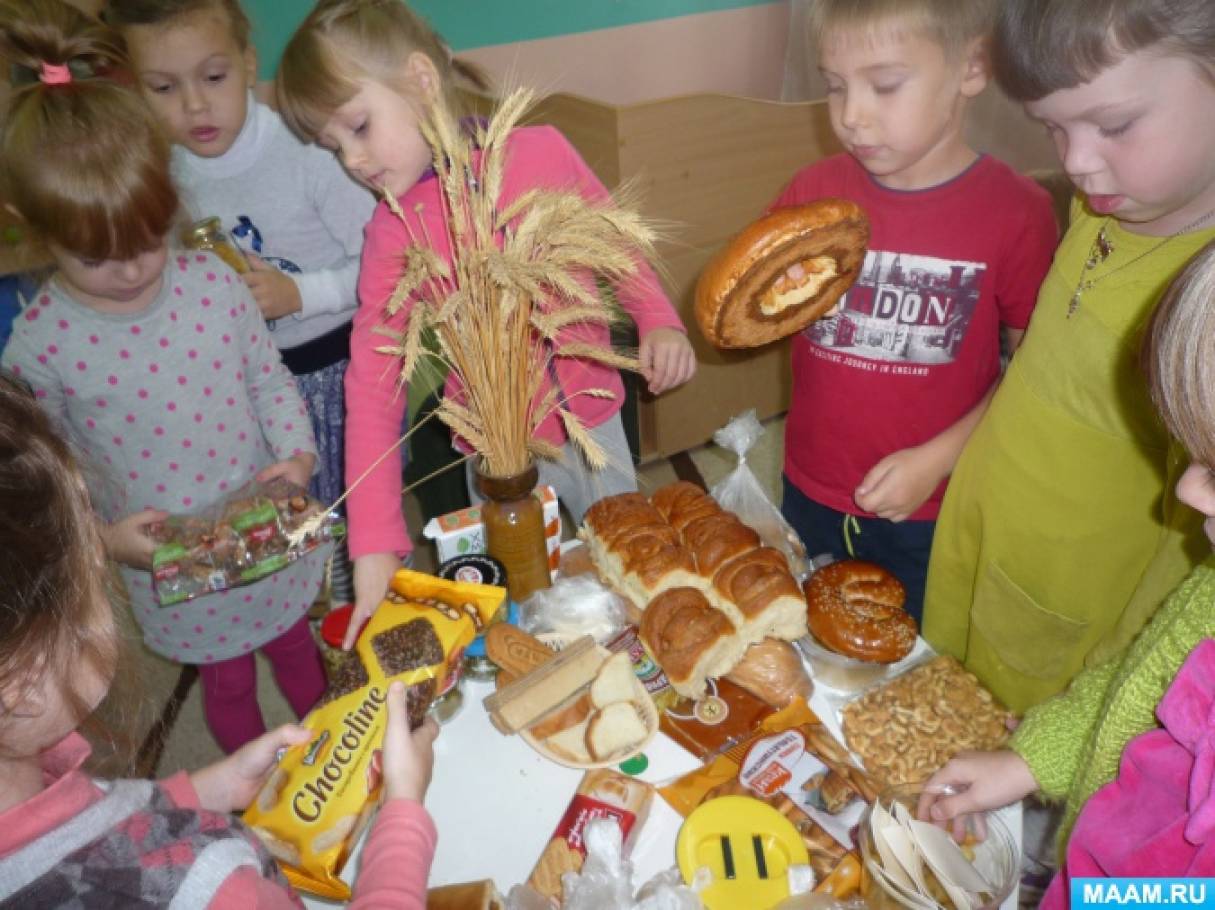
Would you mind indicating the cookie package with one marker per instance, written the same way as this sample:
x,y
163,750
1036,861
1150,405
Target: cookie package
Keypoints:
x,y
791,762
255,532
317,801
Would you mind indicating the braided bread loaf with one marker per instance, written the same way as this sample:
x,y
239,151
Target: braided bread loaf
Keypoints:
x,y
691,640
634,549
682,553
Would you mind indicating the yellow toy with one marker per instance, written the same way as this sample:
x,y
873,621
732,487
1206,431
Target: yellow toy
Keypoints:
x,y
747,846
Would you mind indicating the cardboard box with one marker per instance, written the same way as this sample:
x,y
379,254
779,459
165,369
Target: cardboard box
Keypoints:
x,y
460,533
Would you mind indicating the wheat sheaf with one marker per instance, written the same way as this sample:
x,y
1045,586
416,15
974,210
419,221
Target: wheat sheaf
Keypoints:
x,y
522,275
522,278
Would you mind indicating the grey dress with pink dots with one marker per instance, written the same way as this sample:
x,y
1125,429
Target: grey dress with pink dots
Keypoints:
x,y
176,407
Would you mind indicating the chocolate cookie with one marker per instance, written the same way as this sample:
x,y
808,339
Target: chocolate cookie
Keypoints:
x,y
409,646
346,674
418,698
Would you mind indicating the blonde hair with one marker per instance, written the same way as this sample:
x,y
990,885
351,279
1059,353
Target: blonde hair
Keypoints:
x,y
343,43
950,23
1179,356
85,163
123,13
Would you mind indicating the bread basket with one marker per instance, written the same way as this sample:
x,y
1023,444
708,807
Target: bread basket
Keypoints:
x,y
649,715
519,653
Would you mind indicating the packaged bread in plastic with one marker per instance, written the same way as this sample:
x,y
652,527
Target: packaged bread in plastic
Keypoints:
x,y
315,804
772,669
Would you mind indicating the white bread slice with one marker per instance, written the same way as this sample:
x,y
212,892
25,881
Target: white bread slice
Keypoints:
x,y
615,730
785,619
573,712
614,682
570,743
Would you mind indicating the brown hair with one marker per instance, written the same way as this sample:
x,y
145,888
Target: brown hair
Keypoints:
x,y
950,24
52,558
1044,46
122,13
345,42
1179,356
85,163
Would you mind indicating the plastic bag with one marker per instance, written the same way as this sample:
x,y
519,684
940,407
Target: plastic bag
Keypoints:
x,y
772,669
606,879
741,493
522,897
666,891
254,532
573,607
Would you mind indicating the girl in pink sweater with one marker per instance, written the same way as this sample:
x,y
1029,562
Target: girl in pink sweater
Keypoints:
x,y
68,839
358,77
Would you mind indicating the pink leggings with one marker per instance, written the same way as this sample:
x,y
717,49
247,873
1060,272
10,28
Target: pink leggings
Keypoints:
x,y
229,688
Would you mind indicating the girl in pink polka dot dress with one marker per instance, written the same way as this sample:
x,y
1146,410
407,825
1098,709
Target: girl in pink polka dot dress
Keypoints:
x,y
159,367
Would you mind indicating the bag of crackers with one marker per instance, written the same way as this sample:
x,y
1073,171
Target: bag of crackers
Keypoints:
x,y
255,532
316,803
791,762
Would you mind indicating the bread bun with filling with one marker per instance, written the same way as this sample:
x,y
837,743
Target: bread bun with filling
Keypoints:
x,y
745,298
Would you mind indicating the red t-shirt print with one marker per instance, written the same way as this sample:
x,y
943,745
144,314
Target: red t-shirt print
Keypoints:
x,y
909,312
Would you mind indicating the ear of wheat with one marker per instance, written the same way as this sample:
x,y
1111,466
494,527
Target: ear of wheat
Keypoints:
x,y
521,280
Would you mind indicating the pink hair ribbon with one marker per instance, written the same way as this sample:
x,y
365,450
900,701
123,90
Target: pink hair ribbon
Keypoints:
x,y
55,74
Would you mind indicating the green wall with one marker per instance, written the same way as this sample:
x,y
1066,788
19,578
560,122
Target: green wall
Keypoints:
x,y
477,23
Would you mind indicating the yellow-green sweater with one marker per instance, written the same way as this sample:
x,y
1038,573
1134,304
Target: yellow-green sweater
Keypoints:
x,y
1074,741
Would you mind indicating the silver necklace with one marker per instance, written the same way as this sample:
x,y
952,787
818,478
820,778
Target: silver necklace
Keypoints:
x,y
1103,247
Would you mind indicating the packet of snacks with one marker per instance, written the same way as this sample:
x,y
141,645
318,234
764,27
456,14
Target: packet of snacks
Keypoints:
x,y
256,531
791,762
316,803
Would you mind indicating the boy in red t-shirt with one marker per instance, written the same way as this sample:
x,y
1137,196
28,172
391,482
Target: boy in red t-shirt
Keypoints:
x,y
887,388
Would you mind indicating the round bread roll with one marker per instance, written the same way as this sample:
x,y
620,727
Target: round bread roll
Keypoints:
x,y
745,298
855,608
772,670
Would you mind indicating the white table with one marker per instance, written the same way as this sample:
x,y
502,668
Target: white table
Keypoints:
x,y
496,801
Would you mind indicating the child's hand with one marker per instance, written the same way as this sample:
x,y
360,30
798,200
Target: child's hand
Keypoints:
x,y
276,292
231,784
409,758
667,359
899,484
982,781
127,540
297,469
372,573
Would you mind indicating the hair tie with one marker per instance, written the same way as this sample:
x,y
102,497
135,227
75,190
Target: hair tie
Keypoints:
x,y
54,74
